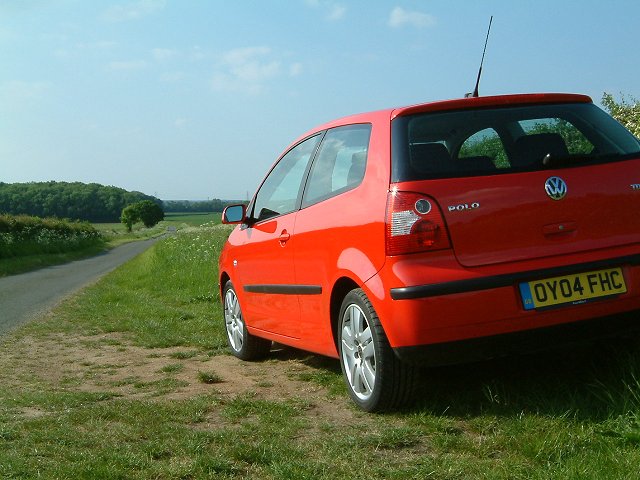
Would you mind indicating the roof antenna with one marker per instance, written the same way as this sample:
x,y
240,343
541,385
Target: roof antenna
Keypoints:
x,y
475,90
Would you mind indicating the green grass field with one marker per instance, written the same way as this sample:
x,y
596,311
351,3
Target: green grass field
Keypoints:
x,y
194,219
130,380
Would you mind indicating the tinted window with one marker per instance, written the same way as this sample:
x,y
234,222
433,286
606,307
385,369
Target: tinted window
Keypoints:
x,y
573,138
484,147
279,192
340,163
503,140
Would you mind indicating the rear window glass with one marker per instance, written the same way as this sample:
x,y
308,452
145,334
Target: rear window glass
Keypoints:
x,y
504,140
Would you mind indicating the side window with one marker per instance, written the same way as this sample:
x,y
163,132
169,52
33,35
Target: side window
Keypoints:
x,y
279,191
340,163
485,149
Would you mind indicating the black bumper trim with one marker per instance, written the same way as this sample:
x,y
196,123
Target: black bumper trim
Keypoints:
x,y
285,289
486,283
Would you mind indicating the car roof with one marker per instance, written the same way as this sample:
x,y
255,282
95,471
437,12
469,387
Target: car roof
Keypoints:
x,y
492,101
454,104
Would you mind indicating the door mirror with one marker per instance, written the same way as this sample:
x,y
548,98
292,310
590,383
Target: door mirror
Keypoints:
x,y
234,214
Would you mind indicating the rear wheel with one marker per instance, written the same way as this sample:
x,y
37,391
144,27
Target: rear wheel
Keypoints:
x,y
243,344
376,379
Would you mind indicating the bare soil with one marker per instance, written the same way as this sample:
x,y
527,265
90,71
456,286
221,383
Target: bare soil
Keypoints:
x,y
110,363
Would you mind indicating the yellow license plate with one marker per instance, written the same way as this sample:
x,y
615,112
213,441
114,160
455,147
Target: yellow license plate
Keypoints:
x,y
572,289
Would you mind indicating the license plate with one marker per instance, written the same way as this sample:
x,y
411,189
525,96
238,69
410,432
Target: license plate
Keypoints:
x,y
572,289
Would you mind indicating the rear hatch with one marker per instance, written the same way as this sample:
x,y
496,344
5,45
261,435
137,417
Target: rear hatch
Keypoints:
x,y
526,181
504,218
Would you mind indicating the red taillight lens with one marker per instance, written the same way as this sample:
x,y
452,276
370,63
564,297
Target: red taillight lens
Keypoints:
x,y
414,224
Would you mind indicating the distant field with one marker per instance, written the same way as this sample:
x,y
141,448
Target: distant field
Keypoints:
x,y
193,218
116,233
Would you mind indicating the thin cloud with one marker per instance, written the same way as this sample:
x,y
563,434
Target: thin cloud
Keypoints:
x,y
127,65
246,70
400,17
336,12
295,69
173,77
333,11
19,95
163,54
133,10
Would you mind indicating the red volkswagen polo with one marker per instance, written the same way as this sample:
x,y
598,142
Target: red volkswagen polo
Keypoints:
x,y
438,233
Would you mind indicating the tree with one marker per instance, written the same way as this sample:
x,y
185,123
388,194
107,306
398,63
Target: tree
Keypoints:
x,y
627,112
129,216
150,213
145,211
92,202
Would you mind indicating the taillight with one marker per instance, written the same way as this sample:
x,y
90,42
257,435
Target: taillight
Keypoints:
x,y
414,224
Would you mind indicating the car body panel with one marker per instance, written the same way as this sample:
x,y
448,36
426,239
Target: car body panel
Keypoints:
x,y
503,229
483,306
598,211
262,269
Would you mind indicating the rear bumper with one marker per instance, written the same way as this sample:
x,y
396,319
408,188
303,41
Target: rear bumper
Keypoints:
x,y
461,306
505,280
522,342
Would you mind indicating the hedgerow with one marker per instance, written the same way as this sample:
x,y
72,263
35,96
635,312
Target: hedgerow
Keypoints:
x,y
26,235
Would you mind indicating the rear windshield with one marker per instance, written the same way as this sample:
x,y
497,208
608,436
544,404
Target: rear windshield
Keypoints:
x,y
504,140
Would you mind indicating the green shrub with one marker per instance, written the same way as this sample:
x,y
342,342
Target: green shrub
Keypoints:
x,y
25,235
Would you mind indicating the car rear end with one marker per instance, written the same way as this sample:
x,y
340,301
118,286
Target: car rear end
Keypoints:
x,y
511,222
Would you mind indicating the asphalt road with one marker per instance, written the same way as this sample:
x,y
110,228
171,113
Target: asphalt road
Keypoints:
x,y
25,296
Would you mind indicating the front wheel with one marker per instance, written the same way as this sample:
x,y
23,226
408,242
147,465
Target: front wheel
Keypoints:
x,y
243,345
376,379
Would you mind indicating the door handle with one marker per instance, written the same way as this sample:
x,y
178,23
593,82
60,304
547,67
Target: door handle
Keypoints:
x,y
284,237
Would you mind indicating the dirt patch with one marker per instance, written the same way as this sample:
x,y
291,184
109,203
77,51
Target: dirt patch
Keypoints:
x,y
108,363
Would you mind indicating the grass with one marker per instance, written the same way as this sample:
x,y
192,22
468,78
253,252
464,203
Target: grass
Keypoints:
x,y
209,377
193,218
570,414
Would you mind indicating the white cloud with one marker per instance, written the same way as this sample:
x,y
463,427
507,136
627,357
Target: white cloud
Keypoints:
x,y
246,70
400,17
133,10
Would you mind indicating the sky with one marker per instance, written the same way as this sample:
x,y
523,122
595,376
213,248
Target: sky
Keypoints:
x,y
195,99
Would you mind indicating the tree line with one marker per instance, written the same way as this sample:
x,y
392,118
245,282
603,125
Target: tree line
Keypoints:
x,y
184,206
78,201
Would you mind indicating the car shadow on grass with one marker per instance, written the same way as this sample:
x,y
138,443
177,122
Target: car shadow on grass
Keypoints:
x,y
591,382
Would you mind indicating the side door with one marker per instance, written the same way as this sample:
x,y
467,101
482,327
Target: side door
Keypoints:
x,y
333,226
264,266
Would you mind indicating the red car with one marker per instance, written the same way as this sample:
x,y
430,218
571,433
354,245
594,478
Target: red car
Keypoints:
x,y
438,233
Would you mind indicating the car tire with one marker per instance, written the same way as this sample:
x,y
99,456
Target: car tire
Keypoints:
x,y
376,379
243,345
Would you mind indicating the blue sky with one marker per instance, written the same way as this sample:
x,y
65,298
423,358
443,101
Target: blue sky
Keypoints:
x,y
195,99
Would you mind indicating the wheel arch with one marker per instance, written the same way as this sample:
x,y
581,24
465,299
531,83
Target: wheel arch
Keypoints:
x,y
224,278
340,289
